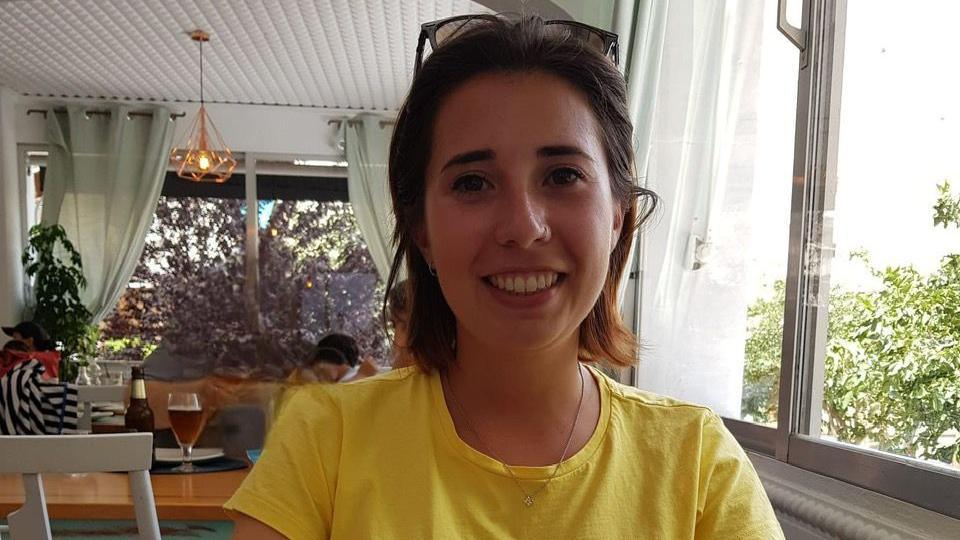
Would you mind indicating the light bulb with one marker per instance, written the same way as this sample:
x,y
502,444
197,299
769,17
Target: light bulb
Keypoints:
x,y
203,162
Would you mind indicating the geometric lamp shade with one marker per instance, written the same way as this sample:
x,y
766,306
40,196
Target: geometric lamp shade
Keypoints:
x,y
204,157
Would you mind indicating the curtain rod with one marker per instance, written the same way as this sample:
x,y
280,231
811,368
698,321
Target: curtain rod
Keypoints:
x,y
173,116
383,123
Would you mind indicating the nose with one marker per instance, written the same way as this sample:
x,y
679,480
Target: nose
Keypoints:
x,y
522,220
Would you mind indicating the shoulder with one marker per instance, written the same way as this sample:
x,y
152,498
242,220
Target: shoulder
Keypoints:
x,y
651,423
363,397
632,401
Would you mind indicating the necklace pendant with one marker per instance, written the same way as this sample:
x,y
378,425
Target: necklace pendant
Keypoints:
x,y
528,501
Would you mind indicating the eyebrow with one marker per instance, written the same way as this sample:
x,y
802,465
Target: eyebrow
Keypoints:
x,y
469,157
487,154
562,150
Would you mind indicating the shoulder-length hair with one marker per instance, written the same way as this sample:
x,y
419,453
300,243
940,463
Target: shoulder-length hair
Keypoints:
x,y
509,46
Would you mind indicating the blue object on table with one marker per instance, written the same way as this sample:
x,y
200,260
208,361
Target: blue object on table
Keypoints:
x,y
213,465
254,455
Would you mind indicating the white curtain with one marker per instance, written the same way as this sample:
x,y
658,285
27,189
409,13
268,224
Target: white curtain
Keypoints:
x,y
367,149
685,81
642,26
104,176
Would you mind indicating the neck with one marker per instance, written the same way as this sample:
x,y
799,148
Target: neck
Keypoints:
x,y
541,383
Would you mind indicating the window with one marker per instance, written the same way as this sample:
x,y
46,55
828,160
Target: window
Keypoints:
x,y
195,306
891,355
818,309
870,366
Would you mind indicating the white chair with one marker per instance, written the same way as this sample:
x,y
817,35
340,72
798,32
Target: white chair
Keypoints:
x,y
33,455
87,395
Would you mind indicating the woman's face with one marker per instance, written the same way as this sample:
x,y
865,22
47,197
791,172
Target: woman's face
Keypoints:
x,y
519,216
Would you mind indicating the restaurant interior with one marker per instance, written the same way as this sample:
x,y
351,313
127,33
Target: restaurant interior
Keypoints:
x,y
136,137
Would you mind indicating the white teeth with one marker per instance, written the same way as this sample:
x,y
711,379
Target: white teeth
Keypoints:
x,y
525,283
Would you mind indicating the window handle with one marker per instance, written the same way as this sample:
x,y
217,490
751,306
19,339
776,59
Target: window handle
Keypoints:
x,y
797,36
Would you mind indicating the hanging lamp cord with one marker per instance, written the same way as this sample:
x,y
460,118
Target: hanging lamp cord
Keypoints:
x,y
201,72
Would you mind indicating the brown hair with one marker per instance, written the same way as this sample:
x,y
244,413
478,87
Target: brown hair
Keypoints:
x,y
505,46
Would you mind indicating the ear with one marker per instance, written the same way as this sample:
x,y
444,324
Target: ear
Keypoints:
x,y
617,226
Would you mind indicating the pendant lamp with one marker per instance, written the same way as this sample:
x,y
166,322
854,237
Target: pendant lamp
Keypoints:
x,y
203,156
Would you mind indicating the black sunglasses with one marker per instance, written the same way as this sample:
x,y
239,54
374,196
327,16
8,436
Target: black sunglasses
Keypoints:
x,y
437,32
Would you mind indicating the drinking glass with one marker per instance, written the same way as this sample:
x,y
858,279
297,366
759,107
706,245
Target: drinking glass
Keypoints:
x,y
186,419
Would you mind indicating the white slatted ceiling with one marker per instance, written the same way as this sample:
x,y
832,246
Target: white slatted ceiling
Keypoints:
x,y
355,54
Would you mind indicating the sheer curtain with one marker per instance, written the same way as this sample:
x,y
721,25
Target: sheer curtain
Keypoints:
x,y
641,25
104,176
688,63
367,149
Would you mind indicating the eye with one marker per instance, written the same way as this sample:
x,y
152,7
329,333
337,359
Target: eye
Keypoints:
x,y
564,176
470,183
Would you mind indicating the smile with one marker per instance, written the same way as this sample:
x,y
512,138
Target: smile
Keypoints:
x,y
524,283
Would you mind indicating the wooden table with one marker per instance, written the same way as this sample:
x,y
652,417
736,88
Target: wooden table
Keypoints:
x,y
107,495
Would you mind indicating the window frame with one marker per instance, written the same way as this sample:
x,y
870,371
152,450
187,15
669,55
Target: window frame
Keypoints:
x,y
794,440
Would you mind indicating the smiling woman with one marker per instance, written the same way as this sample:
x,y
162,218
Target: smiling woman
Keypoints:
x,y
511,177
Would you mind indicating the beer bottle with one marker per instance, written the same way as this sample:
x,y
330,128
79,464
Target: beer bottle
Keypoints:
x,y
139,416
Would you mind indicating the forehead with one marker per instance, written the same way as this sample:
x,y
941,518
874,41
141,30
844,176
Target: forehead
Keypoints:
x,y
509,112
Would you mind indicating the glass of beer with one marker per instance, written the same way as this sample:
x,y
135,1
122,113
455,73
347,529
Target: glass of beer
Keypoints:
x,y
186,420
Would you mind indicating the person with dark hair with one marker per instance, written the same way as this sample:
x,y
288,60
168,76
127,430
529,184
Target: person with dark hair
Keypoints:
x,y
336,358
512,182
31,334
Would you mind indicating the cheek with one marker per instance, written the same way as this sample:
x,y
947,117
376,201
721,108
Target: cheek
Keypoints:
x,y
453,232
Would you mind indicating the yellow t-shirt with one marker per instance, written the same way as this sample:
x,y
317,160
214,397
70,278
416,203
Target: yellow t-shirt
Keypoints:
x,y
380,458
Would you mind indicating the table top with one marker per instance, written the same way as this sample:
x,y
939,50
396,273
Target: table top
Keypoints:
x,y
107,495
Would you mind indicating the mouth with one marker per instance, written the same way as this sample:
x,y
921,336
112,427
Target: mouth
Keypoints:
x,y
525,283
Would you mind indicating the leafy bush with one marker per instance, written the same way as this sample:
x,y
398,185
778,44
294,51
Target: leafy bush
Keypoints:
x,y
892,362
54,265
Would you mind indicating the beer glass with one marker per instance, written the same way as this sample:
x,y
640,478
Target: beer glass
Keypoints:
x,y
186,420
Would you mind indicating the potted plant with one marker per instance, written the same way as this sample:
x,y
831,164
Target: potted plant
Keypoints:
x,y
54,265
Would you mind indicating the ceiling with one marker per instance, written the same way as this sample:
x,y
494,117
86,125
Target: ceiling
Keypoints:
x,y
337,54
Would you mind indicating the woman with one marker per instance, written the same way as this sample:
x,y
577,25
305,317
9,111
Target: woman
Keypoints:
x,y
510,173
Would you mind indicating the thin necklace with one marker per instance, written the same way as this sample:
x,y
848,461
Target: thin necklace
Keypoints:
x,y
527,497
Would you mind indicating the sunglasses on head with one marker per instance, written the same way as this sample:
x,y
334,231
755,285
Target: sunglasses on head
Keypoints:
x,y
438,32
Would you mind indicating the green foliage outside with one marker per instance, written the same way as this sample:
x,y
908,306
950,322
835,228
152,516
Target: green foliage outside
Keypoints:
x,y
54,265
892,362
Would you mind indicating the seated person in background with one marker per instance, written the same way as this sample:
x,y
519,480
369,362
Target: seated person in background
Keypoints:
x,y
336,358
18,350
32,335
397,314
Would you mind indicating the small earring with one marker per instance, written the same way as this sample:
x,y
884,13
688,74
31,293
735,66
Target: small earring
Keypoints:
x,y
433,271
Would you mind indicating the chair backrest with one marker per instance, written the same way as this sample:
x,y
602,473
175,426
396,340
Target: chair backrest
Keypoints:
x,y
33,455
87,395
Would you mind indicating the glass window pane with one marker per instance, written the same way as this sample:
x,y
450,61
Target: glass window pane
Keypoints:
x,y
317,276
721,158
184,305
891,358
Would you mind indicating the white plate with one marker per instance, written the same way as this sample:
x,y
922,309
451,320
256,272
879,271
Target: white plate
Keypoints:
x,y
173,455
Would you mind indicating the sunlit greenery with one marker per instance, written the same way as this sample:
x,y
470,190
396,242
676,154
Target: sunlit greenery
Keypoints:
x,y
892,362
